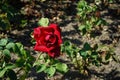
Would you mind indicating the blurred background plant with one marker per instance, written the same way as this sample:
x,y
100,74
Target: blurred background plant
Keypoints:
x,y
10,15
89,17
82,58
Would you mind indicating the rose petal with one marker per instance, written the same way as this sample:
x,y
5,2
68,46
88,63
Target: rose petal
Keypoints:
x,y
40,48
55,52
37,33
47,30
57,32
51,38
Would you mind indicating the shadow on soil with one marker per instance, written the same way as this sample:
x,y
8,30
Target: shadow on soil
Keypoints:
x,y
112,75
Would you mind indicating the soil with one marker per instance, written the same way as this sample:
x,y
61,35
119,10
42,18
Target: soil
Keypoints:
x,y
64,17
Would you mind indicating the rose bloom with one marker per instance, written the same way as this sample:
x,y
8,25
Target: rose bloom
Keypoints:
x,y
48,39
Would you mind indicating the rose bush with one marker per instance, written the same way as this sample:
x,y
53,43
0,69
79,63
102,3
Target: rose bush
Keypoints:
x,y
48,39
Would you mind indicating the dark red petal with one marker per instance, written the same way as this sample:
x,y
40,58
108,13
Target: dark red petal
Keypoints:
x,y
54,52
57,32
37,33
47,30
51,38
40,48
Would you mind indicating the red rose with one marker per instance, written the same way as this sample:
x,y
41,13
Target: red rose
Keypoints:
x,y
48,39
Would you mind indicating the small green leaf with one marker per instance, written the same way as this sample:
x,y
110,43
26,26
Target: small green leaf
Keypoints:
x,y
41,68
67,43
43,22
3,42
87,46
23,23
36,63
50,71
20,62
10,66
83,53
2,72
97,63
94,55
107,57
81,27
23,52
19,45
6,52
10,45
61,67
17,48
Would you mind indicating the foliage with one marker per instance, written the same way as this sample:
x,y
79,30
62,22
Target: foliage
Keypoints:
x,y
43,22
83,57
88,16
49,65
10,16
23,61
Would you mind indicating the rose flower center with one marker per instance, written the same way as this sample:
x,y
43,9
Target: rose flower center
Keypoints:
x,y
50,40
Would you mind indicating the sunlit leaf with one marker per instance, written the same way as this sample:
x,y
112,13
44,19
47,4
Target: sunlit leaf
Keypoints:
x,y
6,52
61,67
2,72
50,71
41,68
3,42
43,22
10,45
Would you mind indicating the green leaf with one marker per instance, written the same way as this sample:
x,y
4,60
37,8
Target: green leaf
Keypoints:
x,y
3,42
10,45
17,48
41,68
2,72
97,63
83,53
50,71
81,27
61,67
94,55
6,52
28,66
107,57
67,43
19,45
23,52
43,22
23,23
12,75
69,52
98,22
10,66
87,46
36,63
20,62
